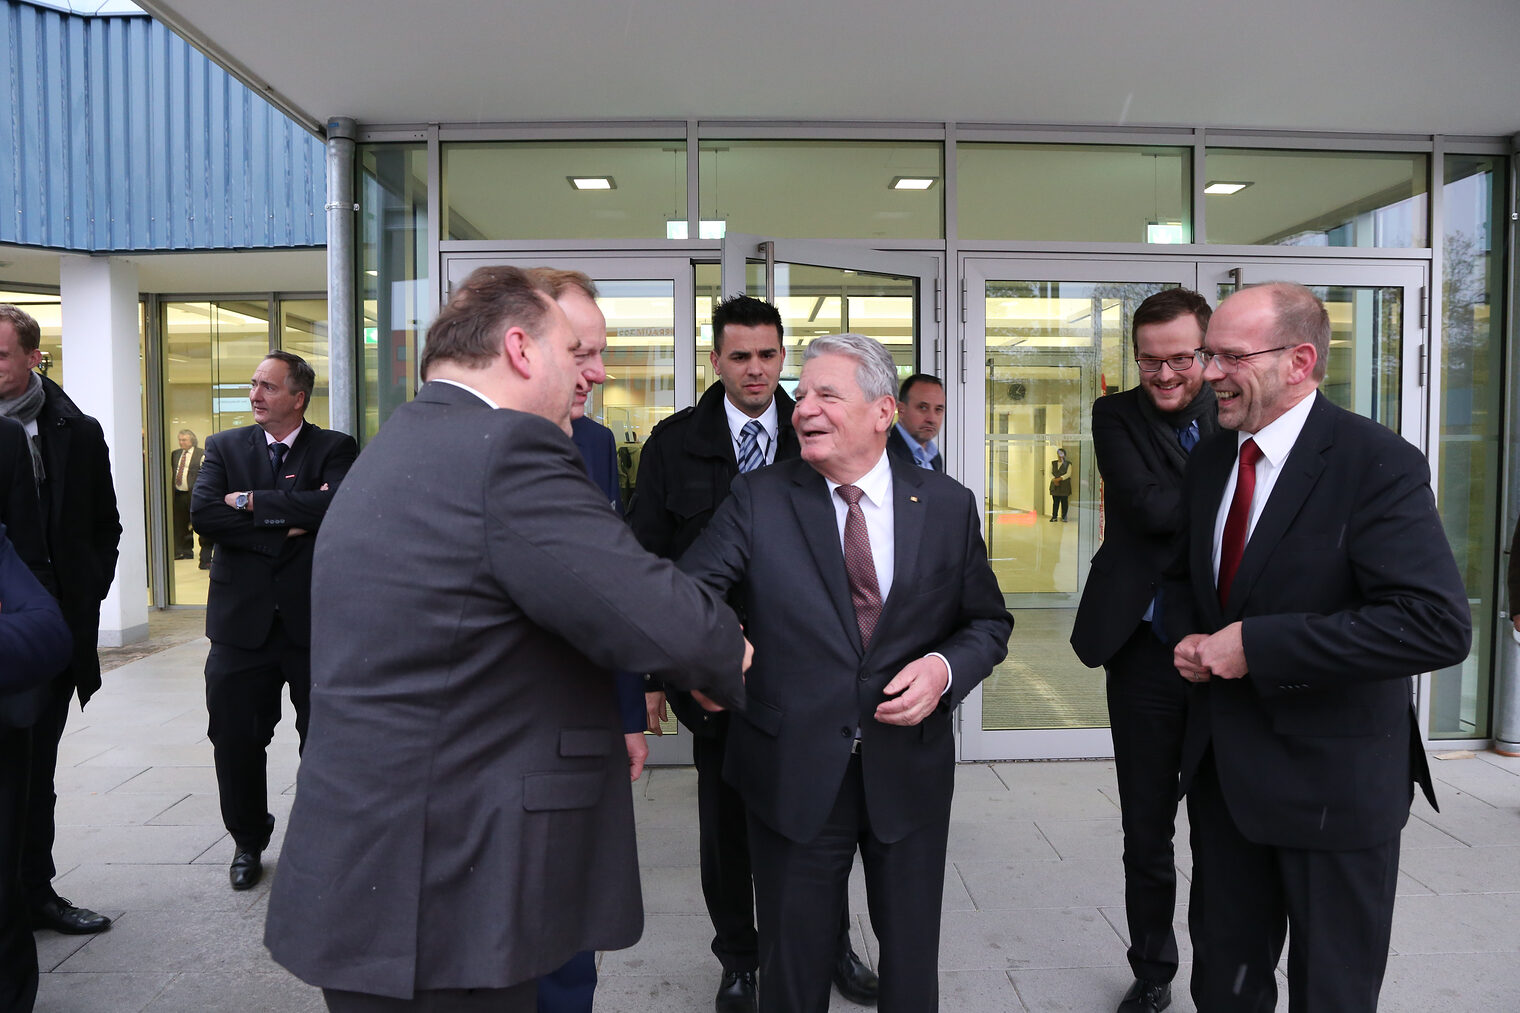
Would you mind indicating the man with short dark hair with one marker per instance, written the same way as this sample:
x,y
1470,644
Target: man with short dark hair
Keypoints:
x,y
261,496
741,423
1317,581
874,611
1142,437
71,468
463,823
920,414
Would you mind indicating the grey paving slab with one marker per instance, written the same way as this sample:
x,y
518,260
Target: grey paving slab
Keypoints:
x,y
53,948
1472,870
177,941
1495,784
667,846
216,992
977,992
198,809
1027,937
1087,989
104,809
185,780
670,942
1074,883
141,845
1458,923
1473,821
675,889
153,888
155,754
1101,838
100,992
1451,983
67,780
1018,839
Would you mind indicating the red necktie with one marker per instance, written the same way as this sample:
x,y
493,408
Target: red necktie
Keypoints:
x,y
865,593
1238,522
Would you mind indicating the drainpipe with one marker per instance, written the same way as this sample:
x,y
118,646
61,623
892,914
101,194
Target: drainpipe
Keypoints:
x,y
342,312
1507,673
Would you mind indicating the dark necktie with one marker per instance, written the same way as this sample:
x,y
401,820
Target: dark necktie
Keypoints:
x,y
865,593
1188,436
750,454
276,458
1237,523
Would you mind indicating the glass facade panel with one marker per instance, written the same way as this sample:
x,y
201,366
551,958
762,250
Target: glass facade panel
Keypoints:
x,y
640,361
1316,198
1051,349
1471,422
528,190
824,189
303,330
210,350
1087,193
393,280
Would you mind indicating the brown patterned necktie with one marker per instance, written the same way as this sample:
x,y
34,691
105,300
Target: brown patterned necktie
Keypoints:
x,y
865,593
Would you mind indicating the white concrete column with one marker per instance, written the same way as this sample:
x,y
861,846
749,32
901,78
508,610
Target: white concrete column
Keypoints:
x,y
103,374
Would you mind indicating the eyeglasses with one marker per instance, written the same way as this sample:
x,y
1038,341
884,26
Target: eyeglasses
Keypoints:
x,y
1228,362
1179,363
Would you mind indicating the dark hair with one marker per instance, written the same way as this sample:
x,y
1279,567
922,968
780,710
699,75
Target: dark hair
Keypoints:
x,y
907,385
300,377
746,312
28,334
1301,317
490,301
1166,306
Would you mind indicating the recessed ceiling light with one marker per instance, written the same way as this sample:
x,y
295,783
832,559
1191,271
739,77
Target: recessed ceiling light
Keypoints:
x,y
1224,187
912,182
592,182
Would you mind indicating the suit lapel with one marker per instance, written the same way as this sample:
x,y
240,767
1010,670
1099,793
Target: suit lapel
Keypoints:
x,y
815,519
296,459
908,510
1214,461
1305,463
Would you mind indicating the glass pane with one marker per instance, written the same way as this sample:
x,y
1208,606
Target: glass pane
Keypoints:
x,y
640,360
1316,198
1051,349
210,351
1471,427
825,300
303,330
1091,193
564,190
824,189
1365,372
393,275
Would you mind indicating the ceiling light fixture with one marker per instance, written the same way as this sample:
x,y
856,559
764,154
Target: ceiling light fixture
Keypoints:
x,y
592,182
1224,187
912,182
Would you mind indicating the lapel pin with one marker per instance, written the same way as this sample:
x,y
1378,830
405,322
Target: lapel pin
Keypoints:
x,y
913,499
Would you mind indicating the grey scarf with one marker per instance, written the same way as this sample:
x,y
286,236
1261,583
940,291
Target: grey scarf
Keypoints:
x,y
1165,425
24,409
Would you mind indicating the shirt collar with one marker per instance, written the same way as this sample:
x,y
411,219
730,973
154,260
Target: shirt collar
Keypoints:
x,y
289,440
737,420
929,449
875,484
1276,438
465,386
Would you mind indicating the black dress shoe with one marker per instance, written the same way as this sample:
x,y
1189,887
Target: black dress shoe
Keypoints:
x,y
1146,997
246,870
736,993
855,981
58,914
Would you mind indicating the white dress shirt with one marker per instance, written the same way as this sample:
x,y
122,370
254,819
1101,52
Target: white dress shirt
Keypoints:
x,y
769,421
1275,441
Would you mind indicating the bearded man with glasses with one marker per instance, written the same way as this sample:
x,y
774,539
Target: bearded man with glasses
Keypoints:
x,y
1142,437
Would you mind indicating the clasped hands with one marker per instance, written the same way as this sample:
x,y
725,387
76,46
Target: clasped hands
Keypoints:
x,y
1202,656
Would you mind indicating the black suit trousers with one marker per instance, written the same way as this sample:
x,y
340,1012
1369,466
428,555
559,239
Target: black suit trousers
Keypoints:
x,y
18,950
1147,712
1247,896
801,893
37,867
723,843
243,701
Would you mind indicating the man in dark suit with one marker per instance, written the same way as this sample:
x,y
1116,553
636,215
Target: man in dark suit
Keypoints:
x,y
463,822
71,468
185,467
742,422
1318,580
35,645
1142,438
261,496
866,590
920,414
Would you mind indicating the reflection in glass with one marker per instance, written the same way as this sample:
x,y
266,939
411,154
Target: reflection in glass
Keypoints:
x,y
1471,425
1051,349
523,189
1317,198
823,189
303,330
1089,193
393,275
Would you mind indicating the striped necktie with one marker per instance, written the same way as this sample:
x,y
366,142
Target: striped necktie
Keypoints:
x,y
751,456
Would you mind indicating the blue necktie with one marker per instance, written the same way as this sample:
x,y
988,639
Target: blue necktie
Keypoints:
x,y
750,454
1188,436
276,458
922,457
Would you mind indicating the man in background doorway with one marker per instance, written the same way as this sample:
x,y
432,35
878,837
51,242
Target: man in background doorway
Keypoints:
x,y
920,416
185,466
1142,438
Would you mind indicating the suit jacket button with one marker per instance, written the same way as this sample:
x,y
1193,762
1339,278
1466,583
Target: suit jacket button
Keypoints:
x,y
847,732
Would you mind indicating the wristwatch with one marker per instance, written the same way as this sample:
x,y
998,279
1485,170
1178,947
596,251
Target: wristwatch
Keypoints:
x,y
240,501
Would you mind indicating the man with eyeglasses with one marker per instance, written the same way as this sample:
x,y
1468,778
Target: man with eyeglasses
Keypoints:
x,y
1317,581
1142,437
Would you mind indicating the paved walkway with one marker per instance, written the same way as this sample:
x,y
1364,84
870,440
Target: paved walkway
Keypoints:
x,y
1033,892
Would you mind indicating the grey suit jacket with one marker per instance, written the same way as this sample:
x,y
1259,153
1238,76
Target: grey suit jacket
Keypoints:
x,y
463,816
776,544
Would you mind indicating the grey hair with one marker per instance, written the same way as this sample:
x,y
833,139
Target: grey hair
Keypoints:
x,y
875,371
